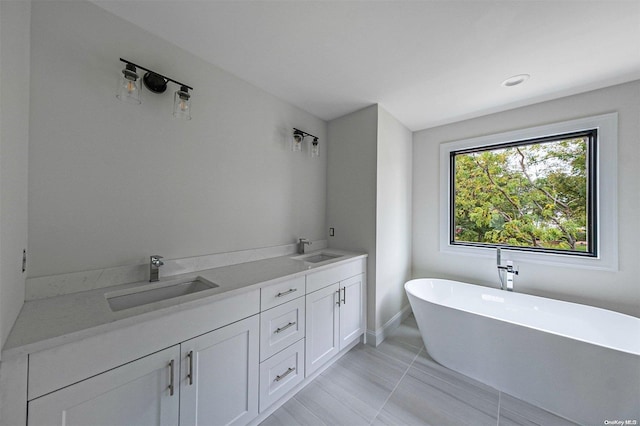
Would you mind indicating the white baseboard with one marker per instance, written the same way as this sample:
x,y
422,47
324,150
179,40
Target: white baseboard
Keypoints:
x,y
374,338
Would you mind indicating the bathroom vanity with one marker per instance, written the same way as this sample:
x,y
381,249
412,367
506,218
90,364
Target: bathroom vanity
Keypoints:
x,y
231,352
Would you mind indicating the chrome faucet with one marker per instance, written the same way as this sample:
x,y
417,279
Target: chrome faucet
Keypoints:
x,y
508,268
154,267
301,243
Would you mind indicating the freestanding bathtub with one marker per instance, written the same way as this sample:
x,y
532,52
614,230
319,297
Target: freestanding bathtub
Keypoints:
x,y
577,361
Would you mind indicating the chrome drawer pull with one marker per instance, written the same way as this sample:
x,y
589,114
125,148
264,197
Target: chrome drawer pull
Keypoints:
x,y
171,381
285,374
291,324
291,290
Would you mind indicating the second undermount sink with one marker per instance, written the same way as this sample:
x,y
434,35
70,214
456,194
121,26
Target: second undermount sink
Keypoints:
x,y
318,257
157,292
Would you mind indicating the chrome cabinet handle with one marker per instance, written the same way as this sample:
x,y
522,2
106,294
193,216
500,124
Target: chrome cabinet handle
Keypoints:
x,y
190,374
285,374
171,380
339,300
344,295
291,324
291,290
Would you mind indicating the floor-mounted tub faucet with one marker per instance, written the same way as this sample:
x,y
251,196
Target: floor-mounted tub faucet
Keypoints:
x,y
509,269
154,267
301,243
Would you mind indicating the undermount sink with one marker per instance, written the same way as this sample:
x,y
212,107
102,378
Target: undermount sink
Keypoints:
x,y
157,292
318,257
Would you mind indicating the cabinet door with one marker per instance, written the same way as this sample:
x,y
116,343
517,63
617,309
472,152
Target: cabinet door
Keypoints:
x,y
219,376
322,327
351,310
137,393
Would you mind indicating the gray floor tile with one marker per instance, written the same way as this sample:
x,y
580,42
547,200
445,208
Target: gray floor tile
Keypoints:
x,y
515,412
422,399
292,412
398,349
363,397
329,408
404,342
411,321
362,384
427,364
371,361
406,333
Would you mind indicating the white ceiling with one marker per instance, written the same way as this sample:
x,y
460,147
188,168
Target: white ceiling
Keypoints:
x,y
426,62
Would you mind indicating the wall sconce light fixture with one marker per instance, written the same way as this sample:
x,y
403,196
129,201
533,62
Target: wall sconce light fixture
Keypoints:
x,y
298,138
129,88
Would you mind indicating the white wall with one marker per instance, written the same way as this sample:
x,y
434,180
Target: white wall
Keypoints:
x,y
112,183
619,290
393,216
14,137
351,190
369,203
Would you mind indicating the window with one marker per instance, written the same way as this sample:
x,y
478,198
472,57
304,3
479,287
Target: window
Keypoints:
x,y
548,194
536,194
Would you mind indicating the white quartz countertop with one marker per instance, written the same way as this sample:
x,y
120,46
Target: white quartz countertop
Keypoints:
x,y
47,323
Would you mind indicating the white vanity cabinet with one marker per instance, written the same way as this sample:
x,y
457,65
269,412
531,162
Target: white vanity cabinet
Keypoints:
x,y
211,379
335,312
230,361
143,392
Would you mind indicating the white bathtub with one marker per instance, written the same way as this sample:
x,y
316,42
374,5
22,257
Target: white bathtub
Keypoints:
x,y
580,362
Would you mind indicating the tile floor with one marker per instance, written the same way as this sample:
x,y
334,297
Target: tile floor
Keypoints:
x,y
397,383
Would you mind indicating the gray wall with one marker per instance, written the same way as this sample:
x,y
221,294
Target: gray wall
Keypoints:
x,y
619,290
14,137
111,183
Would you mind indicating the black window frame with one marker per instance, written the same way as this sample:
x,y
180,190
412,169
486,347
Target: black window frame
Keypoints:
x,y
591,135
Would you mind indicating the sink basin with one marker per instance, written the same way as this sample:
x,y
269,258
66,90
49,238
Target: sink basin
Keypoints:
x,y
318,257
157,292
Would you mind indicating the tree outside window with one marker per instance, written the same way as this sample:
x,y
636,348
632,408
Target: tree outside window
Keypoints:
x,y
531,195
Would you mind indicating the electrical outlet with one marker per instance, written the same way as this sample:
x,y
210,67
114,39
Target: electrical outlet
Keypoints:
x,y
332,232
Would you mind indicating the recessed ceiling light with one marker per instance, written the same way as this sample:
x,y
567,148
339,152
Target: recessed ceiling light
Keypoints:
x,y
515,80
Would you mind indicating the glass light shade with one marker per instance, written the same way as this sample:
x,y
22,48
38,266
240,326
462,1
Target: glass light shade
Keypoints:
x,y
296,141
129,89
182,104
315,149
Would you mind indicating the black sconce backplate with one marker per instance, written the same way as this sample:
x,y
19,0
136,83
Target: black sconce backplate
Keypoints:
x,y
155,82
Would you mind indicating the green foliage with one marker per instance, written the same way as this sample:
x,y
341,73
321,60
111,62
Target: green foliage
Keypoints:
x,y
533,195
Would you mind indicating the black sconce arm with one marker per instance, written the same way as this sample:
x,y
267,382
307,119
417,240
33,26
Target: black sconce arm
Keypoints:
x,y
304,134
151,71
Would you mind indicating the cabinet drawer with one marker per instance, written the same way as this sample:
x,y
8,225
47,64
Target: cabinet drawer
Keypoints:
x,y
281,326
281,373
279,293
320,279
